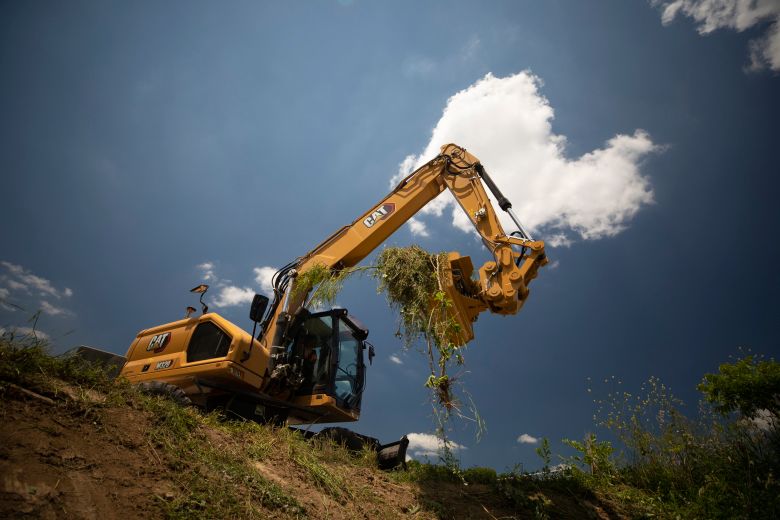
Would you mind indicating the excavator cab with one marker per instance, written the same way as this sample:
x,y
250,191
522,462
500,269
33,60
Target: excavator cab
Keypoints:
x,y
328,351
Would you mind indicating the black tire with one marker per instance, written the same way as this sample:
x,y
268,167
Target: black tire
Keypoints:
x,y
172,392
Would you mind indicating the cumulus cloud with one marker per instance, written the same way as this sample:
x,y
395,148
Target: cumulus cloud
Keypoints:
x,y
395,359
733,14
263,277
427,445
53,310
418,227
18,286
207,271
19,278
4,293
230,295
507,123
24,331
527,439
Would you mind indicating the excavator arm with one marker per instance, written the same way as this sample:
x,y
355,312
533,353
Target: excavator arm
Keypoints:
x,y
502,286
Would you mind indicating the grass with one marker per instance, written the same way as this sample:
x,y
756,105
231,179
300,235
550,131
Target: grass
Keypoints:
x,y
671,466
215,474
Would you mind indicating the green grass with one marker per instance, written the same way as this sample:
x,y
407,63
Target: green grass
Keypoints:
x,y
217,478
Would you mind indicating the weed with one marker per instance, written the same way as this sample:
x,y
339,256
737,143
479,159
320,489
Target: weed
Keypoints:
x,y
545,454
478,475
708,467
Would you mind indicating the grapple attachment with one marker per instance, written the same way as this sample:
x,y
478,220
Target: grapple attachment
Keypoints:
x,y
502,286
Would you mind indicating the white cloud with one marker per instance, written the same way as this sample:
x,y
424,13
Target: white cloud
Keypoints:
x,y
230,296
53,310
207,271
68,292
427,445
22,279
404,168
527,439
4,294
554,264
395,359
558,240
17,286
733,14
263,277
23,331
506,122
418,227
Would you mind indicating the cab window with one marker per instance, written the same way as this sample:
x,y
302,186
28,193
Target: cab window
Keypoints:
x,y
312,346
208,341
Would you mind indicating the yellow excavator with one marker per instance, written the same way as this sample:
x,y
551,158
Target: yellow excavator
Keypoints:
x,y
305,367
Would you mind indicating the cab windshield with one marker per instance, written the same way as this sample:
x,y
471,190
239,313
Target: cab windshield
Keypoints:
x,y
348,380
331,358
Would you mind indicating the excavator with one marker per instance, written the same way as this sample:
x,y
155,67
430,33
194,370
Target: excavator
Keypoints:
x,y
304,367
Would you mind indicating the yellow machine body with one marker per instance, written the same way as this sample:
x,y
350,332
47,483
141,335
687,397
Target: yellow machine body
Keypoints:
x,y
217,363
164,353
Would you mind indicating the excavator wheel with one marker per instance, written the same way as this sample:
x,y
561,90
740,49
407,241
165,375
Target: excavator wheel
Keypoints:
x,y
172,392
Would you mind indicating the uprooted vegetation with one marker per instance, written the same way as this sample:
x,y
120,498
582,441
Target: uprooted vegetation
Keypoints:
x,y
412,280
76,444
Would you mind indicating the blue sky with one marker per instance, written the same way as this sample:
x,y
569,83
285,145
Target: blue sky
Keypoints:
x,y
142,140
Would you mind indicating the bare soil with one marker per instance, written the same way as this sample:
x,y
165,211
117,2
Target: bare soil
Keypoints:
x,y
58,460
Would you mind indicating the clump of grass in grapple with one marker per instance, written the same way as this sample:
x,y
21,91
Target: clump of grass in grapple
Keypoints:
x,y
411,278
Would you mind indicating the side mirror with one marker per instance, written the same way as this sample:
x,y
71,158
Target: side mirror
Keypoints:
x,y
371,353
259,304
201,289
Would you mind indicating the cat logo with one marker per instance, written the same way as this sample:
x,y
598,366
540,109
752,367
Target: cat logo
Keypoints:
x,y
159,342
380,213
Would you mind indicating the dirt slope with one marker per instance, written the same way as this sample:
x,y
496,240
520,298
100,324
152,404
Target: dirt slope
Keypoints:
x,y
70,453
59,460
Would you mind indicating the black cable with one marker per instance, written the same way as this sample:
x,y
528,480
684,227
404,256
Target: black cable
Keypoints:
x,y
280,281
522,249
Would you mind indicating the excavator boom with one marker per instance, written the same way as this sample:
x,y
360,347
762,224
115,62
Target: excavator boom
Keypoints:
x,y
502,287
